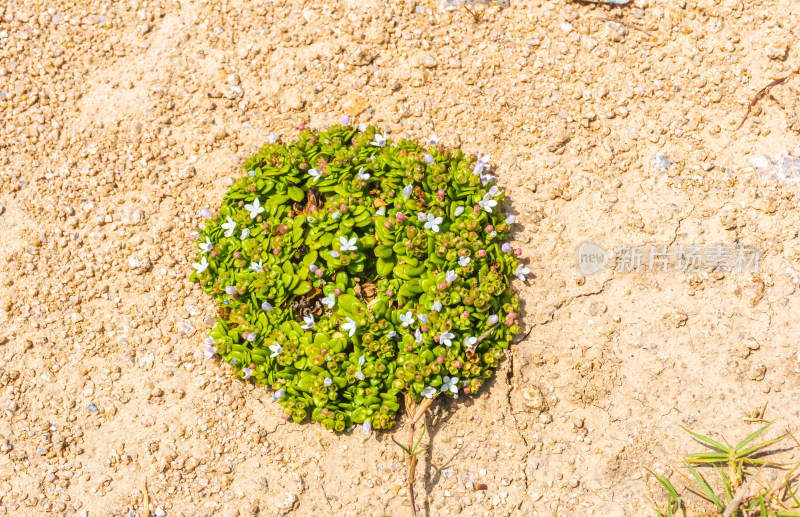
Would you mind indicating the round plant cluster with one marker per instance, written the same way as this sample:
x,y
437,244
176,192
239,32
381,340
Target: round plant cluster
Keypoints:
x,y
350,269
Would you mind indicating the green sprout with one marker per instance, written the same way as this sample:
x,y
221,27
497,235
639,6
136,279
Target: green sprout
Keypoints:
x,y
734,499
350,269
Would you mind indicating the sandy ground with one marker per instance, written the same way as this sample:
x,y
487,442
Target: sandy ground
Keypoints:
x,y
121,121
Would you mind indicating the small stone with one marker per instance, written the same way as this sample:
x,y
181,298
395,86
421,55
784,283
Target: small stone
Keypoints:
x,y
286,502
131,214
91,407
660,163
185,328
160,512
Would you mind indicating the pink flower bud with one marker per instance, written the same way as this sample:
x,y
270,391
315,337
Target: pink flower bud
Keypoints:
x,y
409,348
318,272
276,251
466,391
313,208
284,416
214,253
440,359
436,338
465,314
518,252
303,166
389,292
324,411
424,328
481,253
324,351
337,291
343,208
387,224
489,228
400,216
440,194
457,364
476,209
237,255
442,286
301,126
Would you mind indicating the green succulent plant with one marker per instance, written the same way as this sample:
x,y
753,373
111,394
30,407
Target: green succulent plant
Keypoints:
x,y
350,269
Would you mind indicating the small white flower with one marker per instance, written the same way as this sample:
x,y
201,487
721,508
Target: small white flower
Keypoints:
x,y
209,351
494,191
459,211
493,234
247,373
366,427
278,395
312,267
231,289
329,301
314,173
469,341
205,213
359,375
350,325
407,191
258,267
362,127
251,173
380,211
254,209
336,215
449,384
273,137
437,306
422,217
450,276
348,245
428,159
200,266
433,140
407,319
309,322
494,318
206,246
422,318
391,334
429,392
488,203
363,176
266,306
511,218
245,234
334,253
446,338
380,140
345,120
361,360
482,163
506,247
463,261
418,336
486,178
433,223
328,381
521,271
229,227
276,350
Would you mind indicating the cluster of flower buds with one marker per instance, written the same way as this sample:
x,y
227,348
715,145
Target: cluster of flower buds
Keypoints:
x,y
350,269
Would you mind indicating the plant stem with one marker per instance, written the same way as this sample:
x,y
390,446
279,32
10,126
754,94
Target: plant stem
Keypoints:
x,y
415,414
